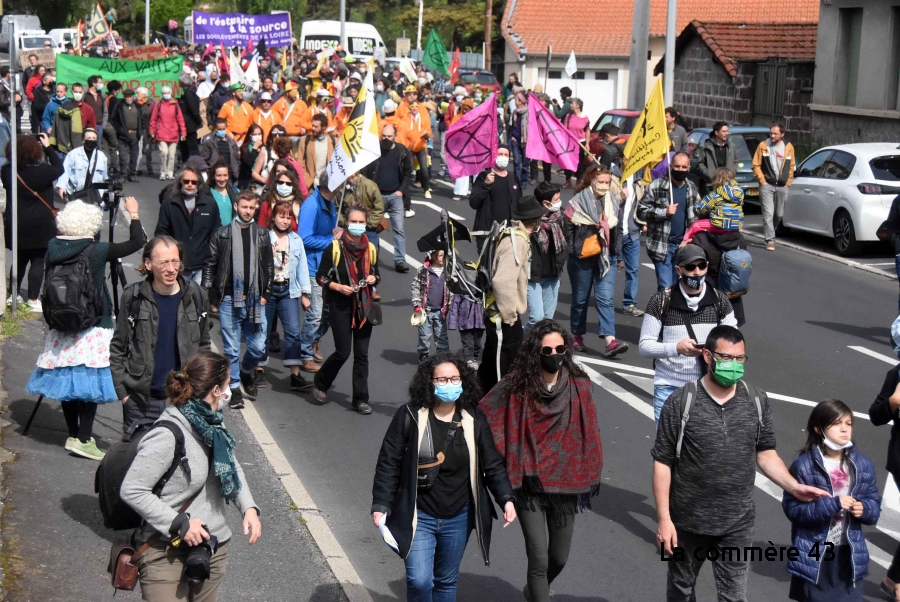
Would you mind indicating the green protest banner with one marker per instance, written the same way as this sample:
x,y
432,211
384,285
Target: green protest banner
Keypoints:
x,y
152,74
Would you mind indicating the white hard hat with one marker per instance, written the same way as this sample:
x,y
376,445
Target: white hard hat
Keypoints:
x,y
265,96
389,106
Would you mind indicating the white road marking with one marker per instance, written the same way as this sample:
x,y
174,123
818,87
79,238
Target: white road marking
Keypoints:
x,y
441,182
884,358
439,209
390,249
889,522
617,365
649,265
877,555
642,382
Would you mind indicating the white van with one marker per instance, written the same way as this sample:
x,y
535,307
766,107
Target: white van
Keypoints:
x,y
23,23
362,38
61,37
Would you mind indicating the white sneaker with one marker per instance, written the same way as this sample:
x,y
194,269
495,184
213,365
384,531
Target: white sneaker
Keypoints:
x,y
162,176
428,194
410,213
170,177
35,306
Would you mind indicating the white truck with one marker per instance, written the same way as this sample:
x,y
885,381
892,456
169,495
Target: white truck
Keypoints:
x,y
24,23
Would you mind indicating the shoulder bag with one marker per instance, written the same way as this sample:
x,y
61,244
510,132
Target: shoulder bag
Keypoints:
x,y
53,210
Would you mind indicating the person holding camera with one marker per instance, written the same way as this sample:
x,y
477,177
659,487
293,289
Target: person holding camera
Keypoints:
x,y
189,550
430,495
35,221
143,352
74,367
83,166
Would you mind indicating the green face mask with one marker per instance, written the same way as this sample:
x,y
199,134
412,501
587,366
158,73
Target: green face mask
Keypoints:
x,y
727,372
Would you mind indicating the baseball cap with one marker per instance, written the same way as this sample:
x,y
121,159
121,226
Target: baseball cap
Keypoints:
x,y
689,253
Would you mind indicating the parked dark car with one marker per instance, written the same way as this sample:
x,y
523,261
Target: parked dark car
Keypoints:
x,y
747,138
488,82
624,119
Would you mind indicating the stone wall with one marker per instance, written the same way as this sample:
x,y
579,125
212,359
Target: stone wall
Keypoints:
x,y
704,92
836,128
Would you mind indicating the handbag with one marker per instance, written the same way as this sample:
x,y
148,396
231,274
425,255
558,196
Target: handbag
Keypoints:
x,y
53,210
123,558
384,225
375,316
591,246
430,464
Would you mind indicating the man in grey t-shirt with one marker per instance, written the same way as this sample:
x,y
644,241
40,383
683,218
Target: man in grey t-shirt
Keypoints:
x,y
704,498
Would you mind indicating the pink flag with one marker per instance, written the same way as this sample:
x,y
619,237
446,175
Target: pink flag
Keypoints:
x,y
209,50
548,139
471,142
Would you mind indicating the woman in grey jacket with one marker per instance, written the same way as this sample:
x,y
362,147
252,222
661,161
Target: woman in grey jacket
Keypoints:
x,y
213,475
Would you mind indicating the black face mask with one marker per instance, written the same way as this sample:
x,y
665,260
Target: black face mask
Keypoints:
x,y
280,230
679,176
386,144
692,282
89,146
552,363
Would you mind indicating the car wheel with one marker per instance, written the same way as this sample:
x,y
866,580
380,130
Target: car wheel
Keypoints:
x,y
845,242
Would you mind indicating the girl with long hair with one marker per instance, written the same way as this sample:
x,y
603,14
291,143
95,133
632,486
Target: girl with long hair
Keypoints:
x,y
250,150
431,521
283,186
830,462
265,160
543,408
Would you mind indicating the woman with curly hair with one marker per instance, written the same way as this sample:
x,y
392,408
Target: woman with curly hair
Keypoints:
x,y
544,423
74,366
431,518
265,160
283,186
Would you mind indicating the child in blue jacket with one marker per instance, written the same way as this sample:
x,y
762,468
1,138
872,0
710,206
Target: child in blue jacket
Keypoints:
x,y
833,557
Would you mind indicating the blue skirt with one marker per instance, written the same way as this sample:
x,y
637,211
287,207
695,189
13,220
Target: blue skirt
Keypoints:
x,y
73,383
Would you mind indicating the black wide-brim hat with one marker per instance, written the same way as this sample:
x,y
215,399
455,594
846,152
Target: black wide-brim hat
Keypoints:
x,y
528,208
436,240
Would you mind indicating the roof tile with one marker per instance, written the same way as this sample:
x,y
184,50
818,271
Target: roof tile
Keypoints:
x,y
732,42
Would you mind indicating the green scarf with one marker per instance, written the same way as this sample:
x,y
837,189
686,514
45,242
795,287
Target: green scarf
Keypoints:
x,y
208,425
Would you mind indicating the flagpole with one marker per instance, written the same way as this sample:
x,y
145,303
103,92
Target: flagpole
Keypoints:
x,y
147,22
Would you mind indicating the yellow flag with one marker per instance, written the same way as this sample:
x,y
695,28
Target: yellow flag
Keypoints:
x,y
649,141
99,27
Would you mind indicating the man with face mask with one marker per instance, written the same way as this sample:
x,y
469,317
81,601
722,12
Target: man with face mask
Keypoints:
x,y
163,342
494,194
70,119
128,123
207,83
392,173
414,117
668,215
291,110
237,113
219,97
83,165
190,215
703,482
218,144
677,322
316,149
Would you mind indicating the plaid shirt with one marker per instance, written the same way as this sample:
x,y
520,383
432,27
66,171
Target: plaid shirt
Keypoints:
x,y
652,210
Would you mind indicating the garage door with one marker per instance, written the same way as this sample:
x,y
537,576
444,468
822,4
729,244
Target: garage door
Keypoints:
x,y
597,89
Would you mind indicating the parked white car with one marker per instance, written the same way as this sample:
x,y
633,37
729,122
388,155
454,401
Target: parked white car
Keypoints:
x,y
844,192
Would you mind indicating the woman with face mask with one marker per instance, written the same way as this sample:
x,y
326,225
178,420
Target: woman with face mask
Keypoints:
x,y
544,407
347,274
250,149
283,186
428,496
291,285
591,231
265,159
549,251
222,191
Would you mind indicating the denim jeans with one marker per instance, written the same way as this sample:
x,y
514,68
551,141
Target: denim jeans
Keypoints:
x,y
236,325
665,270
195,275
660,394
631,255
372,235
542,296
583,273
315,322
521,163
289,311
897,267
393,206
432,565
434,325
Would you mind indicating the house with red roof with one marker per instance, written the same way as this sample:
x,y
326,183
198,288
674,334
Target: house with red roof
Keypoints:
x,y
599,33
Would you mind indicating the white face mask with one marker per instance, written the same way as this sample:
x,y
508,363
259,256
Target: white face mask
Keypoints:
x,y
255,138
478,96
835,446
556,206
77,96
225,397
502,162
459,97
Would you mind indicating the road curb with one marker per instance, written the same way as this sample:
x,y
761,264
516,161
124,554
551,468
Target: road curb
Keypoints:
x,y
314,518
823,255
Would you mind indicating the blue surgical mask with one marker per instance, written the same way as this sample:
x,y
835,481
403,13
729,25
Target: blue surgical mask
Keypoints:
x,y
167,97
356,229
220,133
283,189
448,393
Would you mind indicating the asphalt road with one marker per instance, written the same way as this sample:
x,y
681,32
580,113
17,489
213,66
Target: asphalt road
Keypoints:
x,y
816,329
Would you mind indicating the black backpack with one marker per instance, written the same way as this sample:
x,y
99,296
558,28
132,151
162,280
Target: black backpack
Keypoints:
x,y
114,466
70,301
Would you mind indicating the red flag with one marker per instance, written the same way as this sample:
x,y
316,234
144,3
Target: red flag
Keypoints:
x,y
454,67
209,50
248,50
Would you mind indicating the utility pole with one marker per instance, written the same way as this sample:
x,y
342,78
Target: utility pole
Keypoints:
x,y
637,62
488,25
13,196
421,4
344,25
669,73
147,23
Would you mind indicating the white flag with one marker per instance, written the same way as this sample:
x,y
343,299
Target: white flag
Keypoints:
x,y
251,75
571,65
234,67
359,144
408,69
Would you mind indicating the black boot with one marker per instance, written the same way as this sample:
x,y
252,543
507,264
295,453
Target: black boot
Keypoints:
x,y
237,399
298,383
249,386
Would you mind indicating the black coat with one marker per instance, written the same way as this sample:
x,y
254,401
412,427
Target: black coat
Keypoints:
x,y
214,104
193,229
394,490
190,108
36,223
487,210
117,120
405,168
218,264
880,413
541,262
